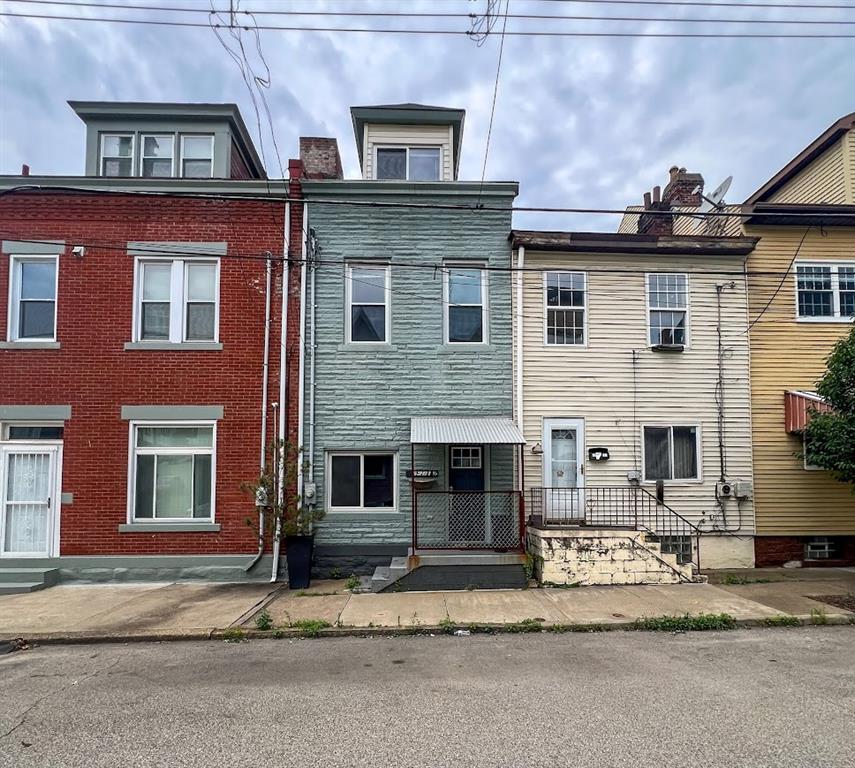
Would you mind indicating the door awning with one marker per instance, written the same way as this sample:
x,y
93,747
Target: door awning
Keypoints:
x,y
798,406
449,430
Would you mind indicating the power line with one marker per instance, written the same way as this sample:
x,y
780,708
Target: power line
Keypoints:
x,y
702,4
453,32
495,95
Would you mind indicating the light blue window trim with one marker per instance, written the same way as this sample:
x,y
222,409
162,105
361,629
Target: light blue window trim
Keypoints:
x,y
35,412
33,247
171,412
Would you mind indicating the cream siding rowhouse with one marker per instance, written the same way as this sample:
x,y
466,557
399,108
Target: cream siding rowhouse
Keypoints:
x,y
614,383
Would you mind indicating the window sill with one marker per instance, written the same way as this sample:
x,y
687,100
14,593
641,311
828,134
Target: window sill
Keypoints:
x,y
824,320
450,349
169,527
29,345
168,346
360,512
366,347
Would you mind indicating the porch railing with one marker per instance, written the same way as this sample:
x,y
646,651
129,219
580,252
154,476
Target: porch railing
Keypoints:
x,y
616,507
477,520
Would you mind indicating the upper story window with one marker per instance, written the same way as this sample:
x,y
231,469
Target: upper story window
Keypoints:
x,y
564,296
671,453
197,157
32,298
408,163
117,154
668,309
368,316
465,303
825,291
157,156
177,300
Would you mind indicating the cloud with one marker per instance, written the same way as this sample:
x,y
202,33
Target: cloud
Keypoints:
x,y
580,122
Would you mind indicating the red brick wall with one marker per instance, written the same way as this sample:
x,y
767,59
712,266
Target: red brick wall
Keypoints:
x,y
94,374
771,551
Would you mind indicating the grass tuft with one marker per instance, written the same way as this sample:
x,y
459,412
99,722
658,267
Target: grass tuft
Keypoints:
x,y
702,622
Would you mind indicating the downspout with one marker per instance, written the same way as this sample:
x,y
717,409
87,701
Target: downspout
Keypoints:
x,y
312,371
264,374
519,351
301,387
283,378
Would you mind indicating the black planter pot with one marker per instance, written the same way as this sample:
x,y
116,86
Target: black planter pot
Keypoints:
x,y
298,555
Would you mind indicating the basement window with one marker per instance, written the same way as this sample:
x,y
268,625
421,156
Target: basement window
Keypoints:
x,y
681,546
821,548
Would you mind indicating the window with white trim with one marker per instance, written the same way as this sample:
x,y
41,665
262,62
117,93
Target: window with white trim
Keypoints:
x,y
671,452
465,304
825,291
564,298
172,472
668,309
27,432
408,163
361,481
117,154
157,156
32,298
367,299
177,300
197,157
466,457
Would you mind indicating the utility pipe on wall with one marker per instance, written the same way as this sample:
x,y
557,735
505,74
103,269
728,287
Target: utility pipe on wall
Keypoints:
x,y
312,369
302,361
519,350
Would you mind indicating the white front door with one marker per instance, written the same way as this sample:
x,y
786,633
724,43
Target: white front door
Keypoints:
x,y
563,469
28,500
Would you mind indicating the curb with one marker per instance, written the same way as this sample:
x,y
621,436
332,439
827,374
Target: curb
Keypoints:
x,y
235,634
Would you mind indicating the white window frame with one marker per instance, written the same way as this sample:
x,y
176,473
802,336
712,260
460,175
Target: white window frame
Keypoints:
x,y
185,136
474,454
362,509
834,266
183,451
348,301
144,157
177,299
13,316
133,158
485,303
698,453
687,310
407,148
584,309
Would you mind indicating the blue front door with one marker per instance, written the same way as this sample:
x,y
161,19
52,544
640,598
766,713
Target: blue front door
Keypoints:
x,y
467,521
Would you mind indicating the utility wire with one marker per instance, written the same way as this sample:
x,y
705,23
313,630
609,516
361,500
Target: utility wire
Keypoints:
x,y
493,105
455,32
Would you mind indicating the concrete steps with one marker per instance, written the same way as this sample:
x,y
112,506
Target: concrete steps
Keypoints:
x,y
15,581
449,570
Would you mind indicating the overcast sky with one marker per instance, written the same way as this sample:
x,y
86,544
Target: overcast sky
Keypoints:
x,y
584,122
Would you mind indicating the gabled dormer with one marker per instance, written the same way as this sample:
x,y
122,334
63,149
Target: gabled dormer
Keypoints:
x,y
165,140
408,142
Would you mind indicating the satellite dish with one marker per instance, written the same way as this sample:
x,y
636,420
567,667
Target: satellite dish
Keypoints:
x,y
716,198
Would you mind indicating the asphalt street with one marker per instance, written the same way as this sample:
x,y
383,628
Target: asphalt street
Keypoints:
x,y
760,697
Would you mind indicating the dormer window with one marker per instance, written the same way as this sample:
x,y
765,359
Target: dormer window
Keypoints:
x,y
197,157
408,163
157,154
117,154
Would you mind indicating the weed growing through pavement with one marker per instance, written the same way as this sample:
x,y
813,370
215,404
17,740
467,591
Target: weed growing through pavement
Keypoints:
x,y
311,627
735,578
352,582
526,625
234,635
264,620
818,616
782,621
702,622
447,626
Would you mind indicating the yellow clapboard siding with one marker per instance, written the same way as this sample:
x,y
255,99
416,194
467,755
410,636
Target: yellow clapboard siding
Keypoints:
x,y
822,181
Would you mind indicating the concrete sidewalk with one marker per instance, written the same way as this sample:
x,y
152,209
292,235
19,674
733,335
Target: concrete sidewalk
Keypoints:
x,y
163,611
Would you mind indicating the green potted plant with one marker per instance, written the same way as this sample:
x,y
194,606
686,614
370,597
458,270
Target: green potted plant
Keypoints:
x,y
283,515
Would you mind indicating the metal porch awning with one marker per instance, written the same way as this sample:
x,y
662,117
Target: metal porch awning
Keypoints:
x,y
797,409
450,429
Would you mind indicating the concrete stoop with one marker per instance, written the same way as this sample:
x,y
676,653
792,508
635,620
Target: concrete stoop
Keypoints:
x,y
14,581
588,557
448,571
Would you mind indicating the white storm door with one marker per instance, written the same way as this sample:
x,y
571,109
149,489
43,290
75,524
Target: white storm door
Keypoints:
x,y
28,500
563,469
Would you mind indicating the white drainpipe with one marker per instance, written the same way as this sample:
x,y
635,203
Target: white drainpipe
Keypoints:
x,y
312,383
519,349
302,363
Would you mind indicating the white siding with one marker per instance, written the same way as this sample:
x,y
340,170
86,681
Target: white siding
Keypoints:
x,y
408,136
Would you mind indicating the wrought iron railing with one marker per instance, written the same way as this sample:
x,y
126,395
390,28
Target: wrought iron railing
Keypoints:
x,y
478,520
616,507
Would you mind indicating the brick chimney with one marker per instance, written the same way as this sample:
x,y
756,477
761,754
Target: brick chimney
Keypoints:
x,y
650,222
320,158
680,190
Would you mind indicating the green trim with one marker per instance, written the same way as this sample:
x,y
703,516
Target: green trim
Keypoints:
x,y
29,345
171,412
35,412
169,527
29,248
167,346
176,248
333,187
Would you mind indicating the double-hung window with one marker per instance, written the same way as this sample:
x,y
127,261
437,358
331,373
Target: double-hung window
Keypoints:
x,y
157,156
564,296
668,309
361,481
825,292
197,157
367,298
117,154
671,452
177,300
408,163
32,298
172,472
465,303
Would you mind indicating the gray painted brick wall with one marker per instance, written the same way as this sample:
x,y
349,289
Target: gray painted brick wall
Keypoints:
x,y
365,397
